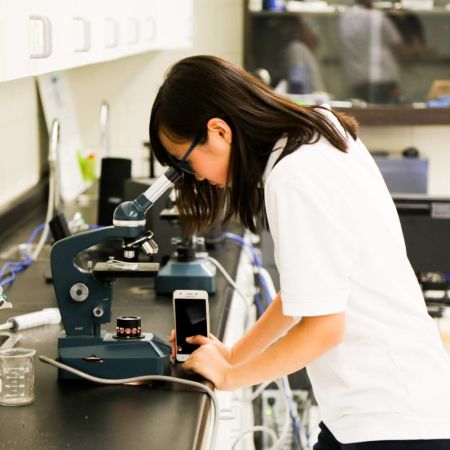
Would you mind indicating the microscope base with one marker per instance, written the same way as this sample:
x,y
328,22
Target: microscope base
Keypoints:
x,y
200,274
107,357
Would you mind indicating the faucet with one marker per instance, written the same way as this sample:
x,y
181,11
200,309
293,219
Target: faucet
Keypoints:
x,y
54,161
105,141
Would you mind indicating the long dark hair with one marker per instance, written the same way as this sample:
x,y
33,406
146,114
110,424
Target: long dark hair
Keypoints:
x,y
199,88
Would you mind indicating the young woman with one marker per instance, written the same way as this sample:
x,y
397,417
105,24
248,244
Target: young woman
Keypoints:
x,y
350,309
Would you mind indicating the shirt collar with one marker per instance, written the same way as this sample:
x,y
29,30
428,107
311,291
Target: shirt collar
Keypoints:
x,y
274,155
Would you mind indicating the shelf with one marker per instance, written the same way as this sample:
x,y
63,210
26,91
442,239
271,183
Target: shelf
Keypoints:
x,y
398,115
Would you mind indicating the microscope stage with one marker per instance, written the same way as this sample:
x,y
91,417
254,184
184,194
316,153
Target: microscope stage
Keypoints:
x,y
125,269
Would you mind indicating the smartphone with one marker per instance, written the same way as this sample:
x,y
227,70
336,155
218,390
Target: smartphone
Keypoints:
x,y
191,313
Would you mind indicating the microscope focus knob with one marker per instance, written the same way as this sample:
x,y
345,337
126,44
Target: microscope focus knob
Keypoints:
x,y
98,311
79,292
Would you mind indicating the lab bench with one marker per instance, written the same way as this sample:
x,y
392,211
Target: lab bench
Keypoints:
x,y
81,415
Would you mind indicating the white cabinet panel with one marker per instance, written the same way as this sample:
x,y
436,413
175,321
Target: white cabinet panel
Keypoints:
x,y
82,25
40,36
48,23
174,24
15,62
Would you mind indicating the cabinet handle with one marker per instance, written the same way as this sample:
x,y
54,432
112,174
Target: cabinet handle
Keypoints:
x,y
81,21
40,36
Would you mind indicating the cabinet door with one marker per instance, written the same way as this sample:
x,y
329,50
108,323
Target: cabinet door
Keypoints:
x,y
41,36
14,48
108,32
82,47
149,24
175,27
34,38
49,36
124,28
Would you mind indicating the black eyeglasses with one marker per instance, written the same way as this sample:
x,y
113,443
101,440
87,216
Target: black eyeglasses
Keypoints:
x,y
182,164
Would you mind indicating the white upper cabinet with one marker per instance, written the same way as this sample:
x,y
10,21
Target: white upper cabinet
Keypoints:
x,y
175,24
40,36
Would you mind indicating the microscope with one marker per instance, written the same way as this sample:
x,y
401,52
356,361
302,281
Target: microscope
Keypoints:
x,y
188,266
84,296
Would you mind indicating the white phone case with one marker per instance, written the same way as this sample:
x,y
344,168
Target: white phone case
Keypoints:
x,y
189,294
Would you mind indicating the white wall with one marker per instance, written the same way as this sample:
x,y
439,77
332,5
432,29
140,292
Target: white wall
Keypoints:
x,y
128,84
19,142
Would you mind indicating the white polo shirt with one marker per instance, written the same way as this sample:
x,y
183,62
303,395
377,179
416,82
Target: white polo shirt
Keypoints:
x,y
339,247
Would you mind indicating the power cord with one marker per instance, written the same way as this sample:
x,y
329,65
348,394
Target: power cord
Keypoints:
x,y
270,291
18,266
53,191
10,269
248,304
277,441
86,376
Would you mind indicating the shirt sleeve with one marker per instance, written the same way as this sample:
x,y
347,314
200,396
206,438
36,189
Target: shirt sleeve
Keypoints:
x,y
314,250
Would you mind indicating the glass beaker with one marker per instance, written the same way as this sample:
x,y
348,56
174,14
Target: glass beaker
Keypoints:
x,y
16,376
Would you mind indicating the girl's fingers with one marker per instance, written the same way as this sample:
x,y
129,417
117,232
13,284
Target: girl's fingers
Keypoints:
x,y
197,340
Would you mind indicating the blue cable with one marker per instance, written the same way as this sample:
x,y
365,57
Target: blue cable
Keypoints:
x,y
35,232
258,264
18,266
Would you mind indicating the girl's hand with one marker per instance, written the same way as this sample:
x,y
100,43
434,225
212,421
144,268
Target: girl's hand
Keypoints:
x,y
209,361
225,351
172,343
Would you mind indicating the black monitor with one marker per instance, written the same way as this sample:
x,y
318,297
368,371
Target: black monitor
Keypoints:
x,y
426,227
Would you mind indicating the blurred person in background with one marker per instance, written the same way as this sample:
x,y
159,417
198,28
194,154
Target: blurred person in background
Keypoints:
x,y
285,46
369,41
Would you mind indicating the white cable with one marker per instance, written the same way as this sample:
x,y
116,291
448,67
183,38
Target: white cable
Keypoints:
x,y
268,279
203,387
254,429
287,420
231,282
303,439
52,188
284,380
279,441
256,393
48,217
305,420
246,249
284,383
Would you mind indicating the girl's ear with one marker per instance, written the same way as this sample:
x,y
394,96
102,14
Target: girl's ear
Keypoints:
x,y
219,126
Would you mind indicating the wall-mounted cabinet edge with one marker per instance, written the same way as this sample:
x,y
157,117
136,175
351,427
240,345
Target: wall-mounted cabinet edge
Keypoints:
x,y
41,36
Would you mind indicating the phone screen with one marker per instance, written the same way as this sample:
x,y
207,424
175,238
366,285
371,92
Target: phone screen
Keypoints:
x,y
190,320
